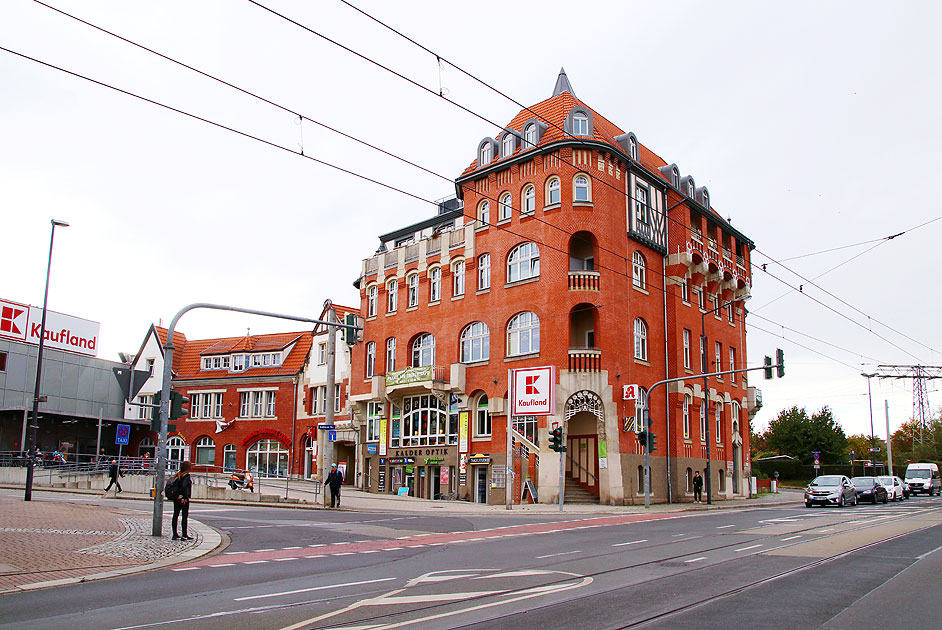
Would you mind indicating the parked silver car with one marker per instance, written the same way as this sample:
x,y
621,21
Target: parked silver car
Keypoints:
x,y
831,490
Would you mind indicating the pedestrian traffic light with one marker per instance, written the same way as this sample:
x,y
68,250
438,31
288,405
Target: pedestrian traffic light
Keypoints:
x,y
643,438
780,361
350,335
155,414
768,368
652,442
556,440
177,402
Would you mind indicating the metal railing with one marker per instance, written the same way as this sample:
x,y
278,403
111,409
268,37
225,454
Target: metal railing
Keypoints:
x,y
582,469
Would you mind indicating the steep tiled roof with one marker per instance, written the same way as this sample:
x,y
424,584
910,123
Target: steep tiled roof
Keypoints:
x,y
179,345
292,364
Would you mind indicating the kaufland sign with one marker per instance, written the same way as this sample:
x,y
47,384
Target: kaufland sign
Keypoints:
x,y
22,322
534,391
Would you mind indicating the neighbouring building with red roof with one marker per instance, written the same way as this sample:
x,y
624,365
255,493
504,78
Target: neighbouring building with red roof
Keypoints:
x,y
570,245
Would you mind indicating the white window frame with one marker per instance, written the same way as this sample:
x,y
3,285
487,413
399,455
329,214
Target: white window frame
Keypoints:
x,y
687,401
487,154
413,283
580,124
457,272
484,272
374,416
718,412
581,189
507,144
203,445
554,189
529,200
423,350
685,292
484,212
641,205
258,404
638,270
322,353
475,343
703,421
435,284
718,350
245,407
632,148
482,417
687,348
392,296
641,339
523,334
732,363
390,355
370,359
529,136
523,262
371,301
505,207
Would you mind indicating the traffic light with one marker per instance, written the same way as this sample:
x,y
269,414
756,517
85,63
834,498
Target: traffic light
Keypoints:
x,y
177,402
653,442
350,335
768,368
780,361
556,440
643,438
155,414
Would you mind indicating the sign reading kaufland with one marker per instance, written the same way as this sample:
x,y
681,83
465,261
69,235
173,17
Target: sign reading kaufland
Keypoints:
x,y
63,332
534,391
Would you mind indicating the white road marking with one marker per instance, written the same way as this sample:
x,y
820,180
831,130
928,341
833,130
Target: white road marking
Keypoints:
x,y
725,526
789,538
695,559
187,569
286,548
255,562
633,542
313,588
225,564
320,556
283,559
562,553
677,535
747,548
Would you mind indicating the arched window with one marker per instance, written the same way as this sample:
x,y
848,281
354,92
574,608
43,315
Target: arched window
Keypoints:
x,y
507,145
689,478
641,403
641,340
506,207
638,273
267,458
229,457
687,401
392,293
735,410
529,200
484,212
691,187
632,148
176,449
371,301
706,198
146,446
675,177
487,153
390,355
206,451
703,425
580,124
523,262
475,343
552,191
457,274
719,422
523,334
482,423
484,271
434,284
580,190
529,136
413,282
423,350
370,359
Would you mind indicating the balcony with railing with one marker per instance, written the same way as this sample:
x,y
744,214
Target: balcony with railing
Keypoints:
x,y
584,280
585,360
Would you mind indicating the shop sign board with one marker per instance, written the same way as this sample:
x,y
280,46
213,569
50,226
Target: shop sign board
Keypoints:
x,y
464,420
410,375
22,322
401,460
381,480
534,391
371,449
443,476
462,465
480,459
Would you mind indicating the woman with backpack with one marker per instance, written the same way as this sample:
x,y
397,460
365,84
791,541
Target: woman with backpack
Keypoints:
x,y
178,489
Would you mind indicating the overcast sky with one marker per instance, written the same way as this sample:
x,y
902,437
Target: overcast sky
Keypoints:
x,y
814,125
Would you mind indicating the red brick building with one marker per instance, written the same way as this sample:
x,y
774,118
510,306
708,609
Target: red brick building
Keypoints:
x,y
246,398
571,244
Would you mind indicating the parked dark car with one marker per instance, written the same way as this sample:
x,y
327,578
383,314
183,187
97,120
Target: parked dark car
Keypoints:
x,y
830,490
870,489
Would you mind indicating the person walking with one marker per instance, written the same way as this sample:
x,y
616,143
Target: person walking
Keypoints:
x,y
113,472
334,480
697,487
181,502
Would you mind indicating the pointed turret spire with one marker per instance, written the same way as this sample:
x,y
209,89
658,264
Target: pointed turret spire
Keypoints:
x,y
562,84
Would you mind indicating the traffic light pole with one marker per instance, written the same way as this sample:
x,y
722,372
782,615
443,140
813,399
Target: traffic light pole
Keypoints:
x,y
161,463
562,479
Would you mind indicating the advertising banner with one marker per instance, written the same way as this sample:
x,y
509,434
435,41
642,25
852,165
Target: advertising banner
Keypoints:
x,y
63,332
382,436
463,430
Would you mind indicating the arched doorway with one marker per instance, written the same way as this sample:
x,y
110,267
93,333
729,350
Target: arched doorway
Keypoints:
x,y
176,450
585,430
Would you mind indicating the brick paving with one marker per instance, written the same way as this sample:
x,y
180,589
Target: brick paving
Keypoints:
x,y
47,541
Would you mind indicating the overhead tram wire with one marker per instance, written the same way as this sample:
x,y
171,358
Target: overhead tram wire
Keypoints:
x,y
687,228
651,271
801,345
753,314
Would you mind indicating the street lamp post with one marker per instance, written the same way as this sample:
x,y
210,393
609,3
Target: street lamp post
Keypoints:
x,y
34,422
706,388
873,440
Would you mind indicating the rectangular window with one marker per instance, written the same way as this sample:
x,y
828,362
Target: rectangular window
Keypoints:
x,y
257,404
336,398
266,359
217,363
270,404
641,205
459,278
238,363
687,417
243,404
686,348
703,421
685,291
390,355
392,293
207,406
374,413
371,301
700,299
484,272
435,284
483,424
527,425
207,363
217,405
732,363
225,362
142,412
413,290
148,364
719,423
729,313
719,356
321,353
256,360
322,397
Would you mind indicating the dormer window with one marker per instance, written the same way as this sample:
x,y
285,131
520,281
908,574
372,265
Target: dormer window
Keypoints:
x,y
690,187
632,148
487,154
675,177
580,125
706,198
508,145
529,136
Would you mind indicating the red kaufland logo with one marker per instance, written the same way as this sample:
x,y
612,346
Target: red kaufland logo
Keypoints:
x,y
13,318
531,385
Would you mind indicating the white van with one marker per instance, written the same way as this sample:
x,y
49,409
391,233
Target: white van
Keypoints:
x,y
923,478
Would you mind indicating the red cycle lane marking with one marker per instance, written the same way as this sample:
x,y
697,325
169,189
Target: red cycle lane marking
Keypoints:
x,y
426,540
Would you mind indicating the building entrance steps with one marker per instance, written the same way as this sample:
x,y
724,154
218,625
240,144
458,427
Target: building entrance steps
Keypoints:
x,y
576,494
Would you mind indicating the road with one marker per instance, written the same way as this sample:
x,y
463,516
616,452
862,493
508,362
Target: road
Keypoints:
x,y
782,567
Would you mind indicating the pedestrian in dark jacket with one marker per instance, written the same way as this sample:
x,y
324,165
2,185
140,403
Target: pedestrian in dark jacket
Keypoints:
x,y
113,472
334,481
697,487
181,504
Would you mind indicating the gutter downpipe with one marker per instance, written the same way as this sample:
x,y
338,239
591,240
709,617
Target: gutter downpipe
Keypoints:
x,y
667,396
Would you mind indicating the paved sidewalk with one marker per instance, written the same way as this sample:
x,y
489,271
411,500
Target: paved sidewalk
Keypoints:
x,y
47,542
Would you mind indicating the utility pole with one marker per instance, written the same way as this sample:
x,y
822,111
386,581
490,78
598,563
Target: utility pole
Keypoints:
x,y
889,438
328,450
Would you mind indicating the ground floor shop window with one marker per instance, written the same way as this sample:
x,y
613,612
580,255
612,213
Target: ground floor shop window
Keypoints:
x,y
206,451
424,421
527,425
229,457
267,458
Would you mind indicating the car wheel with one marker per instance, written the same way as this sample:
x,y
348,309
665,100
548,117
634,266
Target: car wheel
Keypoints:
x,y
873,499
885,499
841,502
809,504
855,499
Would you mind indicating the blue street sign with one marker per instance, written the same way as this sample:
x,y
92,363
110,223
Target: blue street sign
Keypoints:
x,y
326,427
124,433
331,436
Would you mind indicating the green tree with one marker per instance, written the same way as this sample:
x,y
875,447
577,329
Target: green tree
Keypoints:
x,y
793,433
860,445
